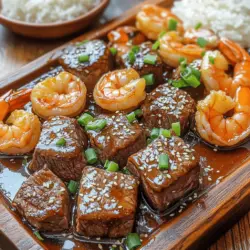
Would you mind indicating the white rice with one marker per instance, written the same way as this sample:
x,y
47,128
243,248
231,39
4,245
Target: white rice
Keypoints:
x,y
228,18
46,11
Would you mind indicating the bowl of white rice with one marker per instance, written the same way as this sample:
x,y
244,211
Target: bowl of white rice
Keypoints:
x,y
49,19
227,18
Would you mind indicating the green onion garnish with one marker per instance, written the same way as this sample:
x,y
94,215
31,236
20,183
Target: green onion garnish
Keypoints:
x,y
135,49
179,83
83,58
84,119
196,72
172,24
113,51
72,186
149,140
202,42
154,133
111,166
192,81
81,43
211,59
165,132
203,53
164,32
183,60
198,25
150,80
176,127
133,241
150,59
91,156
96,125
156,45
131,57
125,171
38,235
131,117
163,162
61,142
138,112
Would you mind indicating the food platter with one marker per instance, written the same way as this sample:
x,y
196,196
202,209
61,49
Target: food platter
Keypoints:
x,y
221,201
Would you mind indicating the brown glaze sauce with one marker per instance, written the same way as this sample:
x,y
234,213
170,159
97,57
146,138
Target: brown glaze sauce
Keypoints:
x,y
215,166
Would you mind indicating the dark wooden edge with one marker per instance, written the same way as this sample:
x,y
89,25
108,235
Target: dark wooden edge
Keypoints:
x,y
198,222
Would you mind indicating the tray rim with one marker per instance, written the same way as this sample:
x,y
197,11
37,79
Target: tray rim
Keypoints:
x,y
231,196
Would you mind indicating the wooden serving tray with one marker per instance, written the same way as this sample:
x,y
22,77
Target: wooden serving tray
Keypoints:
x,y
193,228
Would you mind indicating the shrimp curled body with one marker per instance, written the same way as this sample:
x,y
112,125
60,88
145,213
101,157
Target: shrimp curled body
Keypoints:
x,y
120,90
64,94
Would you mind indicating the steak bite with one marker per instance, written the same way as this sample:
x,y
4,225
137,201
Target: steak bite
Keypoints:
x,y
139,64
88,60
43,200
60,147
163,187
118,140
106,203
166,105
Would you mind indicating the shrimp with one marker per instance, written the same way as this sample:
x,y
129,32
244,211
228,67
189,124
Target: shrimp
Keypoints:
x,y
20,133
152,20
213,73
191,36
216,125
120,90
64,94
172,49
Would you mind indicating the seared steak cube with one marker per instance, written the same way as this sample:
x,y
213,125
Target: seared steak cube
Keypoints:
x,y
163,187
118,140
43,200
166,105
67,160
140,66
89,70
106,203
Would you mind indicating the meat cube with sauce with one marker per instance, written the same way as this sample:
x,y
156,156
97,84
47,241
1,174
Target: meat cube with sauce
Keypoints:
x,y
118,140
141,66
43,200
88,60
60,147
162,187
166,105
106,203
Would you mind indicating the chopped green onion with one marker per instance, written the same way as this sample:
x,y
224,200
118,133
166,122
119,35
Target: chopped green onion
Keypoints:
x,y
91,156
172,24
113,51
211,59
111,166
164,32
202,42
133,241
125,171
165,132
106,164
131,57
83,58
72,186
196,72
81,43
150,59
203,53
149,140
131,117
186,72
176,127
138,112
61,142
192,81
154,133
183,60
37,234
179,83
198,25
84,119
150,80
163,162
96,125
156,45
135,49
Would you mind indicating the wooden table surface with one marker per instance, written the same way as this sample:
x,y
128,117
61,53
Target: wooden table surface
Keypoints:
x,y
16,51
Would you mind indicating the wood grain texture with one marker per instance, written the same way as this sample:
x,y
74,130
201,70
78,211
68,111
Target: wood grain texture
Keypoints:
x,y
16,51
